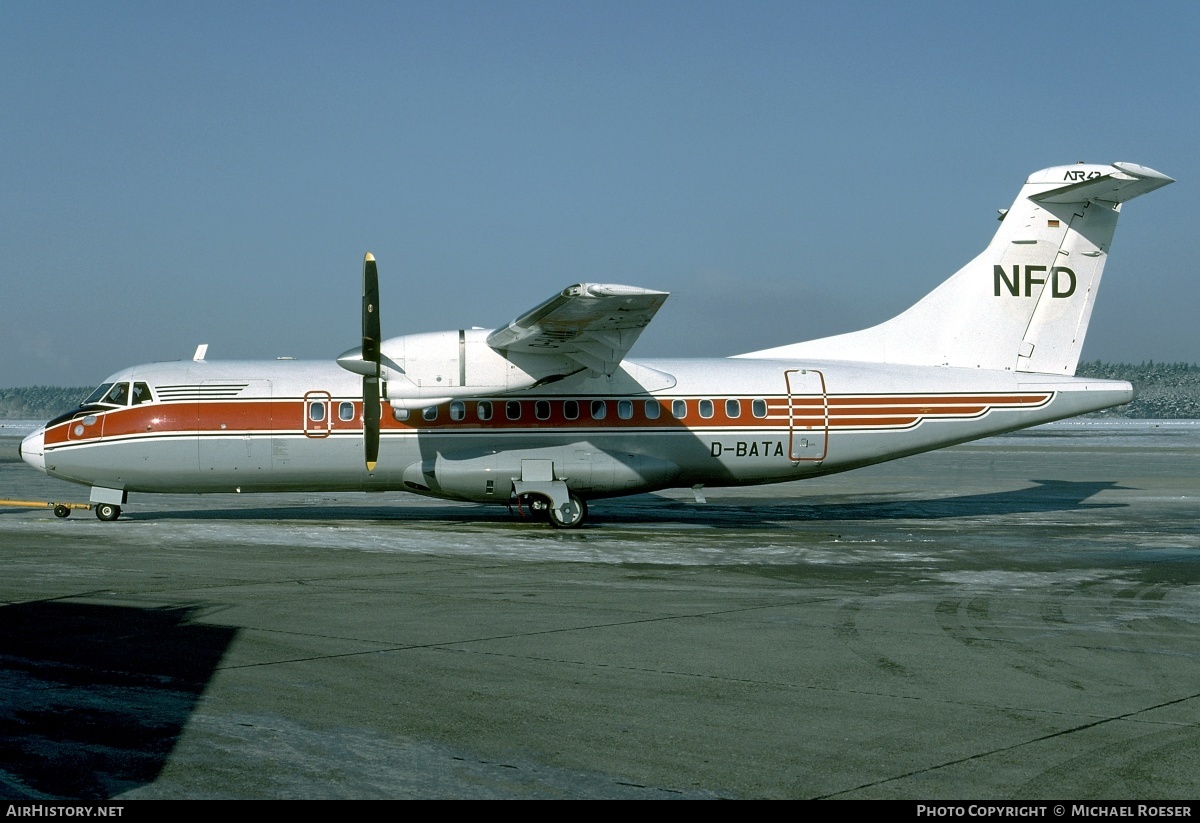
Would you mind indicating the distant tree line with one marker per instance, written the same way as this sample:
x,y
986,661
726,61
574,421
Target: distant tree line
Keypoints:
x,y
1162,390
40,402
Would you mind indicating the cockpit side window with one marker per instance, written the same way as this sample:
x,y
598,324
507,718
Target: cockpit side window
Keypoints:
x,y
118,395
141,394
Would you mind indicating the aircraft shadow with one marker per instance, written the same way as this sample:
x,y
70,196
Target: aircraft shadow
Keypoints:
x,y
93,698
1046,496
747,512
467,512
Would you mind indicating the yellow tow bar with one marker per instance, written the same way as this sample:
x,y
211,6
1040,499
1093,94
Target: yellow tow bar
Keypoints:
x,y
60,509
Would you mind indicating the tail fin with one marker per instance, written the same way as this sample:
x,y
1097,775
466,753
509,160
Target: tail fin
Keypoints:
x,y
1022,305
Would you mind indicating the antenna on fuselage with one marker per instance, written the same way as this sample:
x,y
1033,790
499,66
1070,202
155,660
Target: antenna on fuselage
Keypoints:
x,y
201,351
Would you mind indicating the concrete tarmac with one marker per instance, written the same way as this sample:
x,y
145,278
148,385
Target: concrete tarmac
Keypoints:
x,y
1015,618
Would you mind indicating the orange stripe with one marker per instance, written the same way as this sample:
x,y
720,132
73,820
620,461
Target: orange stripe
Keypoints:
x,y
991,400
891,422
289,415
959,411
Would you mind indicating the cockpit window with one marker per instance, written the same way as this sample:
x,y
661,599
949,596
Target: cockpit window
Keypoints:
x,y
118,395
141,393
97,395
113,394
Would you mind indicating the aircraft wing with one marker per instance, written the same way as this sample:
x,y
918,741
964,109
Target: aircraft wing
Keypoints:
x,y
594,324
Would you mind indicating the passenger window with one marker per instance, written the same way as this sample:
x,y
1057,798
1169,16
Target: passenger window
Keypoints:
x,y
541,410
316,412
483,409
345,411
571,409
399,415
599,409
624,409
733,408
706,408
458,410
512,409
652,409
141,393
758,408
679,409
429,412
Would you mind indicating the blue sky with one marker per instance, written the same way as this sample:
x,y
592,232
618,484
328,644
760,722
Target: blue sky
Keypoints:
x,y
183,173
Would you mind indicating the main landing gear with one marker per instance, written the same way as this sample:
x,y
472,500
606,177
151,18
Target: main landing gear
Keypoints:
x,y
570,515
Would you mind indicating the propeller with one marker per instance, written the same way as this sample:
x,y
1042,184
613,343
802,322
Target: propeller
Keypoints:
x,y
371,335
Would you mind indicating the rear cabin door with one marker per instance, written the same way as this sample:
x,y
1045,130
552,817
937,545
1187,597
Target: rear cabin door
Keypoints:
x,y
808,415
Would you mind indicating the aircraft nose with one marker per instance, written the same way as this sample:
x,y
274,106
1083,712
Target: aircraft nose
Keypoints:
x,y
33,450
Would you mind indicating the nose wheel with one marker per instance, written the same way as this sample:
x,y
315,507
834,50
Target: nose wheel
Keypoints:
x,y
107,511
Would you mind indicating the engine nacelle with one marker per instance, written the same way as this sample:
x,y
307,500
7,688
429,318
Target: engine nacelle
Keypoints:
x,y
436,366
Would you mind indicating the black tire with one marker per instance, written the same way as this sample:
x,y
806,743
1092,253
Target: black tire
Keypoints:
x,y
576,514
107,512
62,511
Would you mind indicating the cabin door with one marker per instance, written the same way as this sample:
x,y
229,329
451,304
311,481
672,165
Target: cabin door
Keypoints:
x,y
808,415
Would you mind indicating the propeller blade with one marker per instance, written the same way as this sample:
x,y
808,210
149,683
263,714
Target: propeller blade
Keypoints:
x,y
371,421
370,354
370,311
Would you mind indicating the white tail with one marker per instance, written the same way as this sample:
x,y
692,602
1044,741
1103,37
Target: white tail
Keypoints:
x,y
1025,302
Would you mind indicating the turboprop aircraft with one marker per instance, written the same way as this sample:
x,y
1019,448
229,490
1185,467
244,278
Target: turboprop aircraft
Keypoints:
x,y
548,413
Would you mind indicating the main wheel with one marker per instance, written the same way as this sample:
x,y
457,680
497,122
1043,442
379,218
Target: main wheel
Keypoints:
x,y
539,507
107,511
62,511
572,518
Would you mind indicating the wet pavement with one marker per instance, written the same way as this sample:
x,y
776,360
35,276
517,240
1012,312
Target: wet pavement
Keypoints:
x,y
1014,618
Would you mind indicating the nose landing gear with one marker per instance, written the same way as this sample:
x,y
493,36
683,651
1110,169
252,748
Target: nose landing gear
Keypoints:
x,y
107,511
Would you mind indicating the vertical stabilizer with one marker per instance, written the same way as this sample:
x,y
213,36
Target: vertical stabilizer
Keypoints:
x,y
1024,303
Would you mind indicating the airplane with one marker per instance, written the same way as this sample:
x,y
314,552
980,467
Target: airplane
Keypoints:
x,y
548,413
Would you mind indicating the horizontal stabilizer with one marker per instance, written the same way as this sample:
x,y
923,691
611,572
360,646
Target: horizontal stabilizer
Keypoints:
x,y
1125,182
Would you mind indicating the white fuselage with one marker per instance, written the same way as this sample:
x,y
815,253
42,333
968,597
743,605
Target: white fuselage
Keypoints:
x,y
297,425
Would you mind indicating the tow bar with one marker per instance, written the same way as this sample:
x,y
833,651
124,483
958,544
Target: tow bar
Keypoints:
x,y
60,509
